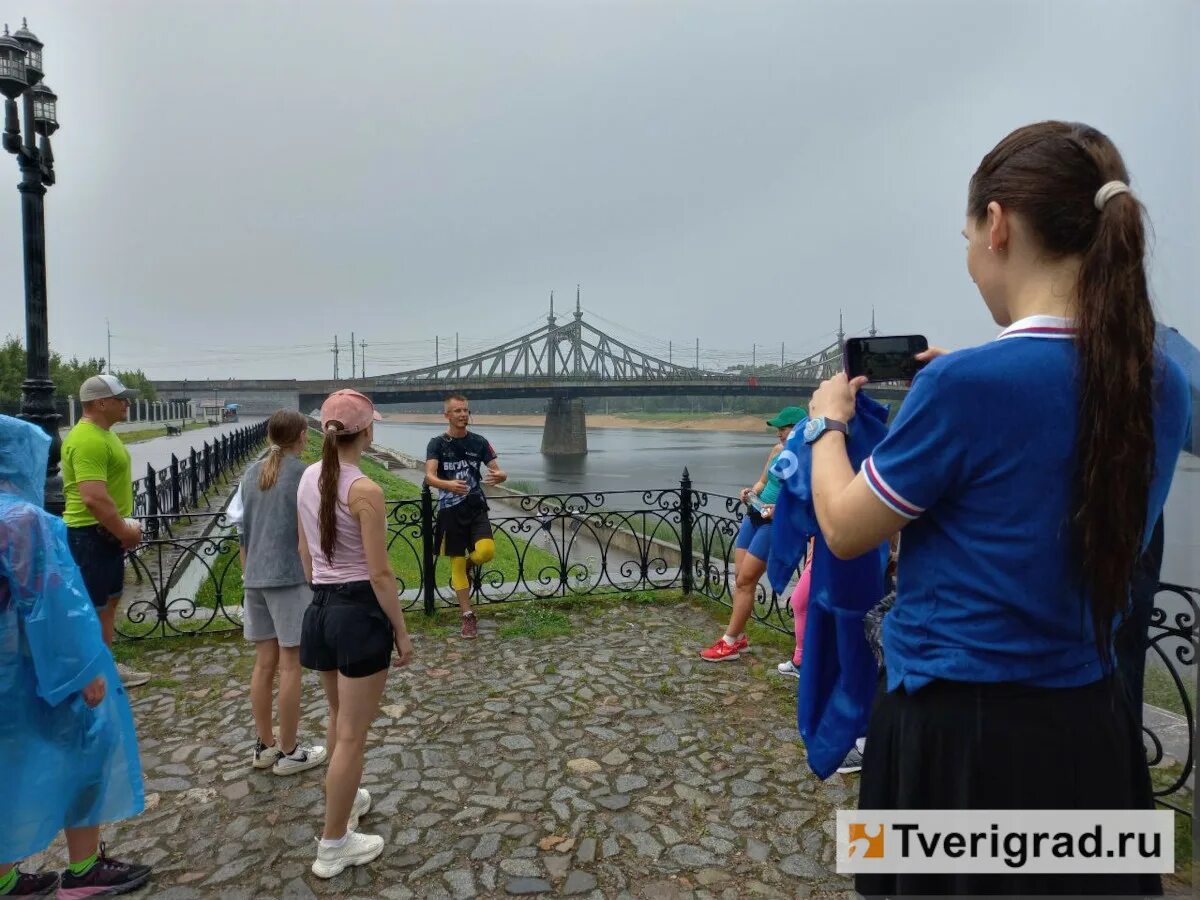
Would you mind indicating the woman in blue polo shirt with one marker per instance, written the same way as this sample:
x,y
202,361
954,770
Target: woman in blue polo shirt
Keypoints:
x,y
1027,474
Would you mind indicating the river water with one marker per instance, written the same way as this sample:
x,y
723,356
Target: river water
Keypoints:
x,y
723,462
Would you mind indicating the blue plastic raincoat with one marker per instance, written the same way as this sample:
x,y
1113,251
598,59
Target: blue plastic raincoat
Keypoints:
x,y
838,677
63,764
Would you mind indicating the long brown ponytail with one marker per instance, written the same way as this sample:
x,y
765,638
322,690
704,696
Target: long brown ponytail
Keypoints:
x,y
327,483
1049,175
284,429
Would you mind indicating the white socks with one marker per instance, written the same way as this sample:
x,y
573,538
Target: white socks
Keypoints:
x,y
340,842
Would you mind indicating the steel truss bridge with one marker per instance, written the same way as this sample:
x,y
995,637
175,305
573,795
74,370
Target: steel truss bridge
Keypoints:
x,y
585,361
564,362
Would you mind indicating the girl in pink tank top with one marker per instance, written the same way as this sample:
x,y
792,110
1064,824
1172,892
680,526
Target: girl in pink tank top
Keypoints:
x,y
349,561
355,620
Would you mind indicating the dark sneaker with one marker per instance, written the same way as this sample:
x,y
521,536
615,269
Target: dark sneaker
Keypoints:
x,y
41,884
470,625
852,763
106,878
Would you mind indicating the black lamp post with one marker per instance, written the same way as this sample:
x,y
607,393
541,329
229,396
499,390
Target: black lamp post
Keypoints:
x,y
21,76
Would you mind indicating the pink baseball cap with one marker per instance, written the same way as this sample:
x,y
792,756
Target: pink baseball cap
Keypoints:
x,y
348,412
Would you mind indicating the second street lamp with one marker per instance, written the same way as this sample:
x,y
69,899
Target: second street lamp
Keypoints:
x,y
21,76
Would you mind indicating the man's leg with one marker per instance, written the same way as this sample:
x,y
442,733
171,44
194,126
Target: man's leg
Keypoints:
x,y
461,582
108,620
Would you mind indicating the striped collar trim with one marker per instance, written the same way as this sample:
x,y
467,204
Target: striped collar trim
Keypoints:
x,y
1054,327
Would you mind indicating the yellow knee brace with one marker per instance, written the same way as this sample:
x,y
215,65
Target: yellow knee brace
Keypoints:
x,y
484,552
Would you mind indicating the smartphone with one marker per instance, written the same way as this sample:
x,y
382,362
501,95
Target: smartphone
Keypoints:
x,y
885,358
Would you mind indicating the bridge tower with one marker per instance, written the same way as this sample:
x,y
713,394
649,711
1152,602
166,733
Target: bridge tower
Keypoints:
x,y
565,432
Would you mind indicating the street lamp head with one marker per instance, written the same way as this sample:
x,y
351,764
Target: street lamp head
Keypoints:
x,y
33,53
45,103
12,66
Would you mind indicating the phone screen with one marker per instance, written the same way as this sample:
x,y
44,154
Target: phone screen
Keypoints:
x,y
885,358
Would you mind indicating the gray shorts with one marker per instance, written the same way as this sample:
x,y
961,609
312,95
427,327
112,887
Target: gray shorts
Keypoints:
x,y
275,613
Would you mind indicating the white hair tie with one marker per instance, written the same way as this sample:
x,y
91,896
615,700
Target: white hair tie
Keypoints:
x,y
1108,191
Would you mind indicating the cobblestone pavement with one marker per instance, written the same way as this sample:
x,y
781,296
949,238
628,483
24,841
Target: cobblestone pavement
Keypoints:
x,y
610,762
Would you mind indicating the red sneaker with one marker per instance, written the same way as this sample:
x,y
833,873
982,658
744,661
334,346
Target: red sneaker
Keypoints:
x,y
470,626
742,645
721,651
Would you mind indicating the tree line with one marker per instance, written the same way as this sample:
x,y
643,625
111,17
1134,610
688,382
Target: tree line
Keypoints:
x,y
67,374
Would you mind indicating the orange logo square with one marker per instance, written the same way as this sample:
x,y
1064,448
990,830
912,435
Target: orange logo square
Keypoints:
x,y
871,845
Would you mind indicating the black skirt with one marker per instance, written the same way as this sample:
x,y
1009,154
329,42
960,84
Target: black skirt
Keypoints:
x,y
954,745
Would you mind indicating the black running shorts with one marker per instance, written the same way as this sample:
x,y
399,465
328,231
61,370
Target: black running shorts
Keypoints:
x,y
345,629
461,527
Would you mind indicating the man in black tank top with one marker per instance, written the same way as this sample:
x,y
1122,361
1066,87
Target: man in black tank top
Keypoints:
x,y
454,463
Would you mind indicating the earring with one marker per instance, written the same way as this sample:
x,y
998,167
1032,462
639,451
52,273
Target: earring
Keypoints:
x,y
989,248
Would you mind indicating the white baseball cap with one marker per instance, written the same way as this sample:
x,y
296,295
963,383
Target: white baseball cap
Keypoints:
x,y
99,387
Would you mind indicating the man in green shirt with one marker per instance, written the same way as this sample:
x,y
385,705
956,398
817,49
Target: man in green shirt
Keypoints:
x,y
98,486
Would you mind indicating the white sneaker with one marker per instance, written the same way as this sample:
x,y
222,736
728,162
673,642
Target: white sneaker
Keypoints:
x,y
788,668
264,756
299,760
362,805
131,677
358,850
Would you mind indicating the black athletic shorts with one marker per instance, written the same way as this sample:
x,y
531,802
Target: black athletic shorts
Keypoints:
x,y
101,561
461,526
345,629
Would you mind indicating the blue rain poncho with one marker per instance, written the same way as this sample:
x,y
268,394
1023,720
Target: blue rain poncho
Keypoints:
x,y
63,763
838,677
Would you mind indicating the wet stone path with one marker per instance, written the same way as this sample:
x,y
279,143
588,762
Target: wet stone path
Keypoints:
x,y
608,762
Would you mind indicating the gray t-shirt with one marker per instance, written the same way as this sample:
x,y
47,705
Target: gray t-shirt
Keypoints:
x,y
269,532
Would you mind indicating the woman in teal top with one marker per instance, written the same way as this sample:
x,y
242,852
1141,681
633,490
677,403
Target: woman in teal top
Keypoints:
x,y
753,545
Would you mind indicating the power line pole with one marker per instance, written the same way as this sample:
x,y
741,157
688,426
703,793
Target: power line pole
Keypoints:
x,y
781,354
353,358
335,358
362,357
456,346
754,356
437,350
670,353
697,353
108,359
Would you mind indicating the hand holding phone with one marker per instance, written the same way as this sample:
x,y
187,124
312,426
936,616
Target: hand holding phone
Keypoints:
x,y
885,358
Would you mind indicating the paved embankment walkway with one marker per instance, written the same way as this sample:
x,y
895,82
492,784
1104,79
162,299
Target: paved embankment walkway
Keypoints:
x,y
157,451
608,762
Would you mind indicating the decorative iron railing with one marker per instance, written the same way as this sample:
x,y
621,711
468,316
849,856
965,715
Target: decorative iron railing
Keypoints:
x,y
185,485
562,545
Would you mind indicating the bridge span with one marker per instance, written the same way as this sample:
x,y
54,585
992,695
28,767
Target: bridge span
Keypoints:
x,y
565,363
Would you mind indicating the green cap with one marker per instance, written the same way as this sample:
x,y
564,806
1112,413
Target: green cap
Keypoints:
x,y
789,415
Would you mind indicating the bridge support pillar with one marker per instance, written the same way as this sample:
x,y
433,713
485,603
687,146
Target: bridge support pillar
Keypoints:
x,y
565,433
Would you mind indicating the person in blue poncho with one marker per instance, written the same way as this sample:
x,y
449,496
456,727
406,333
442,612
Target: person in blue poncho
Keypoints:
x,y
68,749
1027,475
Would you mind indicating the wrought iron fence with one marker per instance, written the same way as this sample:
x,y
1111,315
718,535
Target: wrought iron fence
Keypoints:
x,y
562,545
185,484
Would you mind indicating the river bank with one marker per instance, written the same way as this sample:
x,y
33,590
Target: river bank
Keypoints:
x,y
651,421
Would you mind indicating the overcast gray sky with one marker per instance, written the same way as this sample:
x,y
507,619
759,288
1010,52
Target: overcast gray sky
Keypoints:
x,y
240,181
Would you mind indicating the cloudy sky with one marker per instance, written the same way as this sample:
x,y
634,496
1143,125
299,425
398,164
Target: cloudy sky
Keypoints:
x,y
239,182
